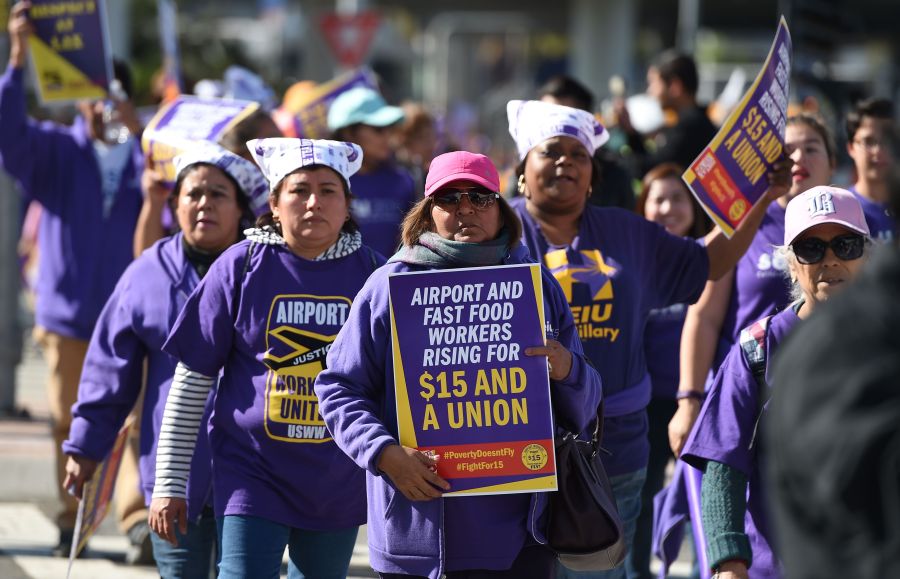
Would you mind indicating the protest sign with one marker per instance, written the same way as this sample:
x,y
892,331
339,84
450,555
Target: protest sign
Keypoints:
x,y
97,493
729,176
189,119
70,49
466,392
312,109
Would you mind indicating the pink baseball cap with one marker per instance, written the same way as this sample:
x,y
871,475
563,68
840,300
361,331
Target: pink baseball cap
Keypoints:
x,y
461,166
823,204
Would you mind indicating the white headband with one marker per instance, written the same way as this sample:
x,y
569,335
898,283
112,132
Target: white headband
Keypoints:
x,y
533,122
279,157
245,173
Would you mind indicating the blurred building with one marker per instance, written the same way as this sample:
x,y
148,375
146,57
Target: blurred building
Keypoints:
x,y
473,51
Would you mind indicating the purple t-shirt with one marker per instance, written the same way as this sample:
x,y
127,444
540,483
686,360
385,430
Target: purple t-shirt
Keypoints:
x,y
618,268
724,430
272,455
878,217
760,287
381,200
662,346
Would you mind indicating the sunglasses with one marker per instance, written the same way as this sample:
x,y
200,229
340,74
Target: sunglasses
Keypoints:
x,y
479,198
811,250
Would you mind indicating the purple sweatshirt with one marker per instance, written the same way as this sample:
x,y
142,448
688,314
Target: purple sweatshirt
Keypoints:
x,y
723,432
133,326
267,327
356,394
82,252
617,269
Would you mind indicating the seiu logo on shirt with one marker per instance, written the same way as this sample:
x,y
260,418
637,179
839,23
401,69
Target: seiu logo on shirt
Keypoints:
x,y
586,269
770,265
299,333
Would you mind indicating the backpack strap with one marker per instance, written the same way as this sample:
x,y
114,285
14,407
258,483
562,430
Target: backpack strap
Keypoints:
x,y
753,344
753,341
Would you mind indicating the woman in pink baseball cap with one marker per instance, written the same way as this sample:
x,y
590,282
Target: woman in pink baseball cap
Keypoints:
x,y
826,243
462,222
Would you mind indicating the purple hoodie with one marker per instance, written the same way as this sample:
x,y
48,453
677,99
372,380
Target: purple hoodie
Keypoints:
x,y
82,252
356,397
133,327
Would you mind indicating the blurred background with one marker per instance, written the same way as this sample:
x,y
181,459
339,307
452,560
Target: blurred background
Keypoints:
x,y
466,58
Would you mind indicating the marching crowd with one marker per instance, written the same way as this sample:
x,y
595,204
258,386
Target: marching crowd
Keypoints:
x,y
257,285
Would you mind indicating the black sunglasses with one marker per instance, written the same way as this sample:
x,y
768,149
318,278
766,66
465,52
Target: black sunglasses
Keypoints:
x,y
845,247
480,198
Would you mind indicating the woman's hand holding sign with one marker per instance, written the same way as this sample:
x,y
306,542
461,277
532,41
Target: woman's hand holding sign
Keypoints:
x,y
559,359
779,178
412,472
19,27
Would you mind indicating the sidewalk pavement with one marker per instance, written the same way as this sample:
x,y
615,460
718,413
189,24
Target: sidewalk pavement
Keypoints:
x,y
28,501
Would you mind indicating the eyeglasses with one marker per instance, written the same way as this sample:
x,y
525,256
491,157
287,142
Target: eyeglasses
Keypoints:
x,y
479,198
870,143
811,250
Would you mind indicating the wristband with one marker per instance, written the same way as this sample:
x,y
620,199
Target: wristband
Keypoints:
x,y
682,394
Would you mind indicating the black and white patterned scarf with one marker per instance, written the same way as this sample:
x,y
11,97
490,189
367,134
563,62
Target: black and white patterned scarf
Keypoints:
x,y
346,243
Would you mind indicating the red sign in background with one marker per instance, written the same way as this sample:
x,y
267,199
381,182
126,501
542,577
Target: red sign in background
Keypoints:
x,y
349,35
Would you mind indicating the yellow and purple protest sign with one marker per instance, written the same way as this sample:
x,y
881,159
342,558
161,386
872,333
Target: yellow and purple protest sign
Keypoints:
x,y
97,493
70,49
311,109
729,176
186,120
466,392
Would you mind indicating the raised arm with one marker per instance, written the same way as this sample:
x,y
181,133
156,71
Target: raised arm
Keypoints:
x,y
724,253
29,152
149,228
19,28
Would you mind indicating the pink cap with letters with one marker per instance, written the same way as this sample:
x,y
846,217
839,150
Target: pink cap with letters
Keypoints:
x,y
461,166
823,204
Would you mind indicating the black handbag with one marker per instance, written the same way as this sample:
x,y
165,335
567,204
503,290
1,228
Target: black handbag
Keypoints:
x,y
583,524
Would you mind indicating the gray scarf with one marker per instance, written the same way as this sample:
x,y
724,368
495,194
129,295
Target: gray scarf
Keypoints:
x,y
432,250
